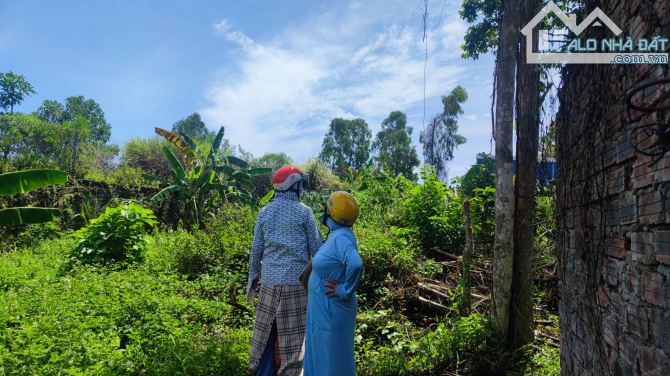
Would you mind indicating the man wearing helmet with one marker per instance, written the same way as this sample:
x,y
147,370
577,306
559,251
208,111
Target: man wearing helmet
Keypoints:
x,y
286,237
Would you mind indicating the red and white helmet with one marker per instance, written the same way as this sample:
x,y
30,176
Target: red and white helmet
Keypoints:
x,y
285,176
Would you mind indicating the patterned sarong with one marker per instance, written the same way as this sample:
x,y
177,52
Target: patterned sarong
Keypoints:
x,y
288,306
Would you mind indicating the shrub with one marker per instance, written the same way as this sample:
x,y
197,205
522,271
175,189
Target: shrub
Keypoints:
x,y
146,154
17,237
388,259
118,235
378,196
434,214
320,178
464,345
223,245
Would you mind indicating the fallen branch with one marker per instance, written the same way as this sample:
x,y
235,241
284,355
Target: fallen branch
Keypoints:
x,y
446,254
552,338
433,290
432,303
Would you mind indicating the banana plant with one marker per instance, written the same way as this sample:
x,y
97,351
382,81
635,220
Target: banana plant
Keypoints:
x,y
204,181
20,182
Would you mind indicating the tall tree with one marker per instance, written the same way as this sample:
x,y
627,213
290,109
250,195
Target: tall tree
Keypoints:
x,y
13,90
193,127
440,138
528,104
77,107
273,160
504,126
346,145
51,111
393,144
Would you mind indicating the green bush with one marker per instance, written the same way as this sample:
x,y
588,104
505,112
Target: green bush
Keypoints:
x,y
463,345
320,178
482,210
118,235
434,213
25,236
223,245
146,154
379,196
389,260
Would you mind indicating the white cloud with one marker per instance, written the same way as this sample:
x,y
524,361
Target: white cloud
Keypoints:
x,y
348,63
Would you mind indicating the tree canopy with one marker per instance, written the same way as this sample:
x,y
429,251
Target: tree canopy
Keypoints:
x,y
13,90
440,138
193,127
393,144
75,107
347,144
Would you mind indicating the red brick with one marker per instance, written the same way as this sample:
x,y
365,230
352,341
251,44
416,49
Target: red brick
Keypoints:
x,y
616,246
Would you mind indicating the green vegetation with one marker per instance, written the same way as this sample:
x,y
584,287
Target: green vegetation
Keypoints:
x,y
150,278
24,181
117,236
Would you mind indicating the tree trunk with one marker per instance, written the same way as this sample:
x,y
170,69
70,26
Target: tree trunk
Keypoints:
x,y
528,107
467,259
504,242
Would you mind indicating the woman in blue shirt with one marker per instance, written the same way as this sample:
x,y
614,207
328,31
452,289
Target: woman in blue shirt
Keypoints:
x,y
331,301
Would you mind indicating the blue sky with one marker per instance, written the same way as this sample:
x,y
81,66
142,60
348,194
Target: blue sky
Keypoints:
x,y
274,73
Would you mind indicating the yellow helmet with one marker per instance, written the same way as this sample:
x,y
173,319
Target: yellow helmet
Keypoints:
x,y
342,208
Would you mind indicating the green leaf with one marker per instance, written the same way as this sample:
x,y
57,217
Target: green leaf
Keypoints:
x,y
28,180
190,143
237,162
249,186
21,216
269,196
242,176
216,144
259,171
176,167
166,193
150,177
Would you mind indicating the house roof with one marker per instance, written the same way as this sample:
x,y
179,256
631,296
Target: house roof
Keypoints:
x,y
570,20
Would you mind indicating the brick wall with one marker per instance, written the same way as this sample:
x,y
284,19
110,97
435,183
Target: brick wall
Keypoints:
x,y
613,211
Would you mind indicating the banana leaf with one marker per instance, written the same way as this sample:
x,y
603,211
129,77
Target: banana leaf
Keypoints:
x,y
241,176
247,185
174,139
166,193
175,166
258,171
28,180
226,169
216,144
189,141
237,162
21,216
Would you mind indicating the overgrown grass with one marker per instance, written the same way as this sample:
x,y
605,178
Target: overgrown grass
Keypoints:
x,y
182,310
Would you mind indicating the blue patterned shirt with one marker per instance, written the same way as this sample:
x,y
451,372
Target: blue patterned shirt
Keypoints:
x,y
286,237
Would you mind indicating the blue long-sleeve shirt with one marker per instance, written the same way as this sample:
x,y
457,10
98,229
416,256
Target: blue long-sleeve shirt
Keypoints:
x,y
286,237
